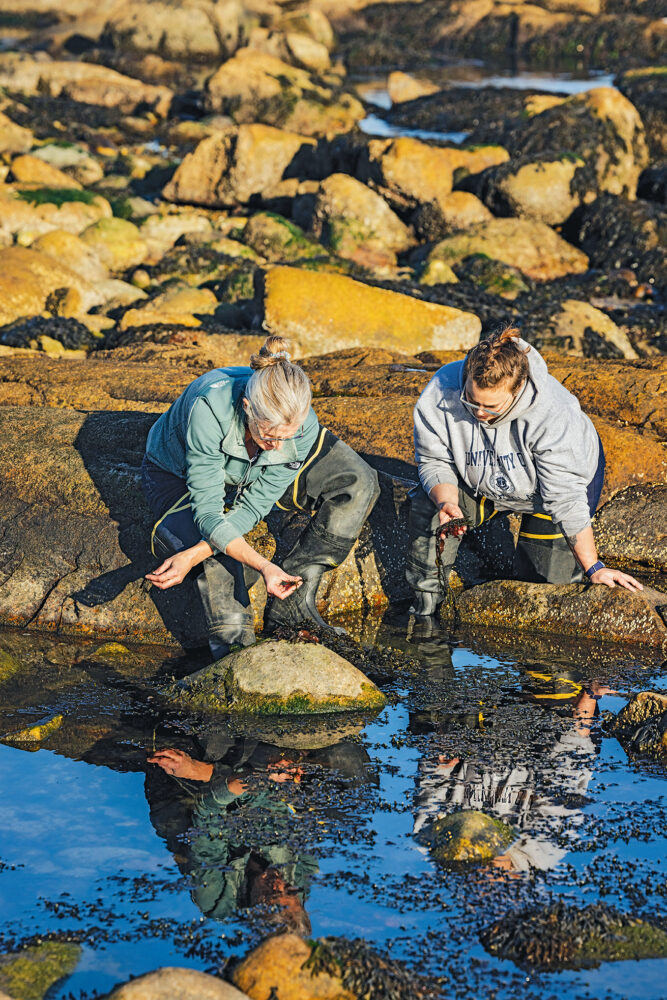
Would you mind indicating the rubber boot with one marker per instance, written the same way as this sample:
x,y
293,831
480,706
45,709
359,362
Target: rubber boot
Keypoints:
x,y
313,554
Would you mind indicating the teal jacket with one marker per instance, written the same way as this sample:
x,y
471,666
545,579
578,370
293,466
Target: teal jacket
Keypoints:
x,y
201,439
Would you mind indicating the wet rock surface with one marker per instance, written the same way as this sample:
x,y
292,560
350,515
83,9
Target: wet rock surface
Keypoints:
x,y
590,611
187,984
30,973
631,525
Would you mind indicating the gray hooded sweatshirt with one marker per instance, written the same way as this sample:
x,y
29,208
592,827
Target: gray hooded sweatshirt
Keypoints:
x,y
539,456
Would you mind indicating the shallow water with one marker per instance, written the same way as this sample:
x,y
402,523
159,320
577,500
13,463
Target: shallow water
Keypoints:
x,y
80,856
374,91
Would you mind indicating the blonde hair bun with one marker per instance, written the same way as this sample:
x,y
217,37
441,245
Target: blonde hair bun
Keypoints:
x,y
274,350
278,391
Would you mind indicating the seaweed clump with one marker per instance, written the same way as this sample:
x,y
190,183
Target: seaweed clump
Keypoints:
x,y
367,974
562,936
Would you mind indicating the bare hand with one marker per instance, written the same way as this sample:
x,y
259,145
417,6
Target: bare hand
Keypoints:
x,y
278,583
171,572
182,765
450,512
614,577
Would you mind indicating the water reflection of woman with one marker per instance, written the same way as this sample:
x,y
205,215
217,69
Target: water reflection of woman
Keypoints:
x,y
536,797
233,831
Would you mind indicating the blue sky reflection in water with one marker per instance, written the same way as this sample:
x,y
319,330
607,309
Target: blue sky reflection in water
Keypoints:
x,y
78,851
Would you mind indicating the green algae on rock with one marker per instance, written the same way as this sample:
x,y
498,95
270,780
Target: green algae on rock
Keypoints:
x,y
29,973
468,835
35,734
280,678
562,936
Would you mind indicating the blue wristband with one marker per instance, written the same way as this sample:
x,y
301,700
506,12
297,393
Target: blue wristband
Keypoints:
x,y
594,568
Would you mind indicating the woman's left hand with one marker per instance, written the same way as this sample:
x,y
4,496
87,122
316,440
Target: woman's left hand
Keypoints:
x,y
614,577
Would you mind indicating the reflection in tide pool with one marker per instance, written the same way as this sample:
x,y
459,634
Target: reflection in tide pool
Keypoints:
x,y
149,868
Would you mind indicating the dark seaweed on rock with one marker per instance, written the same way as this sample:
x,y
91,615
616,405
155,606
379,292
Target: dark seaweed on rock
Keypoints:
x,y
553,936
380,663
69,332
367,974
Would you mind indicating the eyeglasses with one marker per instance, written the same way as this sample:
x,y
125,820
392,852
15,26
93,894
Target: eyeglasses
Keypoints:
x,y
475,407
250,413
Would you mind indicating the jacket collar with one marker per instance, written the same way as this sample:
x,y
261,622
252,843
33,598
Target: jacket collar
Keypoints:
x,y
233,443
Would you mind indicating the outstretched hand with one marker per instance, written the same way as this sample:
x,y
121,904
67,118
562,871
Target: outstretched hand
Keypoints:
x,y
614,577
171,572
279,583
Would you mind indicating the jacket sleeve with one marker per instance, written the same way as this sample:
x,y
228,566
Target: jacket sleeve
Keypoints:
x,y
563,475
432,451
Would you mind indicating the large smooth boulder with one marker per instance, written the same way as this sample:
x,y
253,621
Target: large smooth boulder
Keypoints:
x,y
630,527
256,86
28,278
277,239
280,963
355,222
321,312
411,168
198,31
594,612
73,252
280,678
169,983
530,246
231,168
27,214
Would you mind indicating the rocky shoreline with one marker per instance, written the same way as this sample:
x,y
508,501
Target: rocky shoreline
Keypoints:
x,y
175,180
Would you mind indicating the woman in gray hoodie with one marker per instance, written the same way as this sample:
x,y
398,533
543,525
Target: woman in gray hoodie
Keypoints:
x,y
495,433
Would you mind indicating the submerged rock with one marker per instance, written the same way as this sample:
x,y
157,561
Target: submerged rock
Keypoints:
x,y
169,983
562,936
30,973
595,612
281,678
641,727
468,835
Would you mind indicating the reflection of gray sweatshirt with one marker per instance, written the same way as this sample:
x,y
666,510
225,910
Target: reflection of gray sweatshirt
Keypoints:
x,y
511,794
539,456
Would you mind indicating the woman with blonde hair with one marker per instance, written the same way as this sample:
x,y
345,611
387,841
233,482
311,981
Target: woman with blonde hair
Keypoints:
x,y
496,433
236,442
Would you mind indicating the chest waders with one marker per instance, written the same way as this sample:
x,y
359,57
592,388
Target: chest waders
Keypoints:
x,y
339,489
334,484
542,554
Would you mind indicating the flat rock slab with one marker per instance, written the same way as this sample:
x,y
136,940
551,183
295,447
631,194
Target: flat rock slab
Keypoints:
x,y
281,678
594,612
169,983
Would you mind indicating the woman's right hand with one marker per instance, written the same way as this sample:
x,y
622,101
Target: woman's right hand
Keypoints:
x,y
279,583
172,571
450,512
